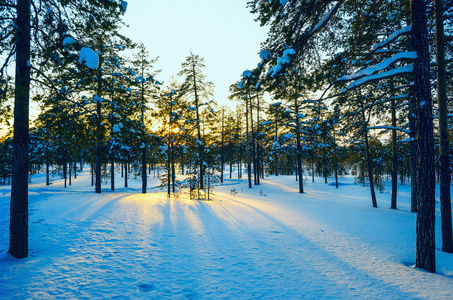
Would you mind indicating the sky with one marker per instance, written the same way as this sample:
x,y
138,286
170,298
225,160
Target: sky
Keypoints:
x,y
222,31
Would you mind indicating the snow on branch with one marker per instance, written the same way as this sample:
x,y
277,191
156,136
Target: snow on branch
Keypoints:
x,y
89,57
124,6
381,66
397,71
396,34
326,18
285,59
389,128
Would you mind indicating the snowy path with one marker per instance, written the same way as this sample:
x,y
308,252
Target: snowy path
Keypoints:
x,y
282,245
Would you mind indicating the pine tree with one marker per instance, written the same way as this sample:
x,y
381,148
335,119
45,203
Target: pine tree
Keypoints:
x,y
20,32
197,88
146,85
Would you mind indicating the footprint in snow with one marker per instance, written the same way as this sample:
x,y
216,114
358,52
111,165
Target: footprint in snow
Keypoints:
x,y
276,232
145,287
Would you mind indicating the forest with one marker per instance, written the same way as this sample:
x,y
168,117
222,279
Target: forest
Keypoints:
x,y
358,88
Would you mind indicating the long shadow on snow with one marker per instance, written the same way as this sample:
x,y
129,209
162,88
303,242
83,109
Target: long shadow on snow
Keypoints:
x,y
317,253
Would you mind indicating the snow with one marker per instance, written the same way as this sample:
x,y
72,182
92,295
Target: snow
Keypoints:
x,y
386,127
285,59
397,71
265,54
327,17
325,244
67,41
404,30
123,5
89,57
381,66
97,99
246,73
116,128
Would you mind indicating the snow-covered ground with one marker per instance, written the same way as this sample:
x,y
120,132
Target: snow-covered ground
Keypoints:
x,y
268,242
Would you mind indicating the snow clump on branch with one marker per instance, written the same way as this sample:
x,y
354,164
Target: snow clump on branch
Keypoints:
x,y
89,57
285,59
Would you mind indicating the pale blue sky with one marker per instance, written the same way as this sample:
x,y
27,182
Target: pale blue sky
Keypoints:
x,y
222,31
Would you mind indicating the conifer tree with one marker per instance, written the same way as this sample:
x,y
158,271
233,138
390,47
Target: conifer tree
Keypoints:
x,y
197,89
16,36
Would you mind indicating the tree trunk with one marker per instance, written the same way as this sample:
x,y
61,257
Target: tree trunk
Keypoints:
x,y
70,175
276,140
335,158
413,154
125,171
18,238
394,158
144,177
299,149
253,141
168,173
47,168
222,153
249,169
98,148
425,245
112,173
258,163
173,175
368,161
445,174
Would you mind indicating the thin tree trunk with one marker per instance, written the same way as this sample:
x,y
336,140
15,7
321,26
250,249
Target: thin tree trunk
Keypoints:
x,y
47,168
394,158
249,169
299,148
335,158
258,164
18,238
276,150
222,152
98,149
144,177
368,161
125,171
70,175
252,140
168,174
65,168
172,160
445,173
112,173
324,159
313,164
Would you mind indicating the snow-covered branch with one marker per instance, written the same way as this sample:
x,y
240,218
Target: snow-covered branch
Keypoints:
x,y
389,128
381,66
396,34
397,71
326,18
